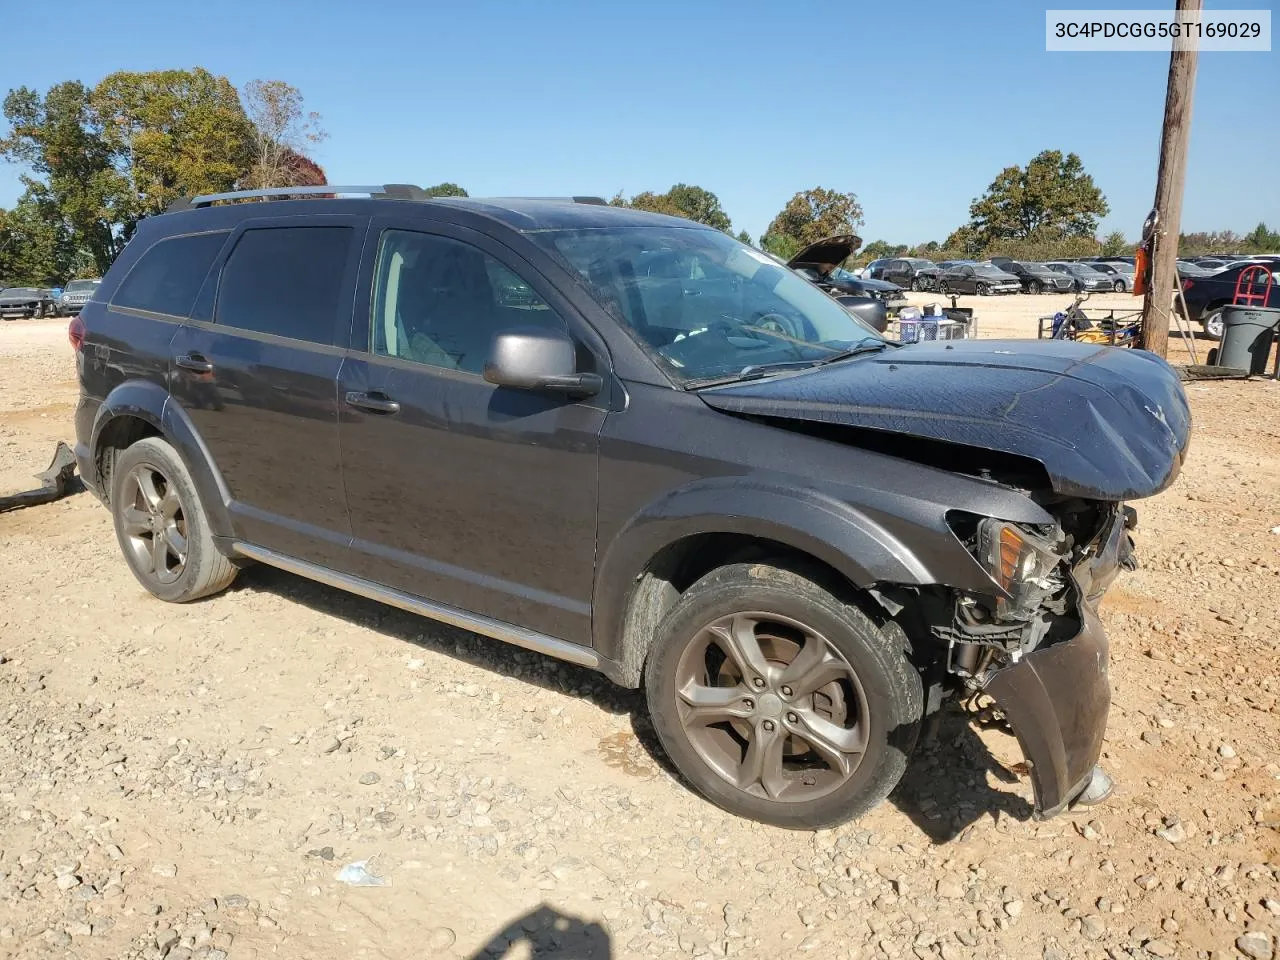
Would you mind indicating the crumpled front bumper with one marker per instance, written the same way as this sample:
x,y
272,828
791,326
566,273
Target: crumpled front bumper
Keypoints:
x,y
1057,697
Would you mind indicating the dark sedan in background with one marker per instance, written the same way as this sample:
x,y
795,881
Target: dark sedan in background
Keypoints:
x,y
1037,278
21,302
913,273
1084,276
984,279
1206,296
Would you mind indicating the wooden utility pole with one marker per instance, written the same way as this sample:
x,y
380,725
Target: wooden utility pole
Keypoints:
x,y
1158,304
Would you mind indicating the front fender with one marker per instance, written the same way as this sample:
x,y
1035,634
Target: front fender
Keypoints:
x,y
152,403
823,527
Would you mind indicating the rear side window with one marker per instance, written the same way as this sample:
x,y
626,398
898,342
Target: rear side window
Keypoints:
x,y
285,281
168,276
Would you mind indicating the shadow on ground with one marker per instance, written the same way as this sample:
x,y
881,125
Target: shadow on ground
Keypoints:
x,y
549,935
944,791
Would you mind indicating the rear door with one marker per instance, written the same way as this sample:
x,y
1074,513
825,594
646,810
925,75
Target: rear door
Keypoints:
x,y
256,368
472,495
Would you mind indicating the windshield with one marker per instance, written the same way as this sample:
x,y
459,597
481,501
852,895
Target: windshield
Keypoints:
x,y
704,304
76,286
19,292
987,270
1080,268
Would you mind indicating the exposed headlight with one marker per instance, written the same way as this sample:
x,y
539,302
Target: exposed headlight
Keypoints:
x,y
1021,563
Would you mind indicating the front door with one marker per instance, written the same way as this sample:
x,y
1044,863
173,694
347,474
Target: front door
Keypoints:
x,y
472,495
256,371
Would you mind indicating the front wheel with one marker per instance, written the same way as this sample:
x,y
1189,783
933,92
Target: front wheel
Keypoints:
x,y
944,287
1213,323
38,312
161,525
984,290
1118,286
779,702
1034,287
915,284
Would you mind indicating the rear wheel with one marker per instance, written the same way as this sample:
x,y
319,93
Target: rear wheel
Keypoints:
x,y
943,287
1034,287
915,284
780,703
1118,286
162,527
1212,322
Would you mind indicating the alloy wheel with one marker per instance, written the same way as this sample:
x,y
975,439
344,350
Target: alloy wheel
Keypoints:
x,y
155,524
772,706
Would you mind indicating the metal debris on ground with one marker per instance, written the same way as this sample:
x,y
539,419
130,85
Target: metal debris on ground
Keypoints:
x,y
55,482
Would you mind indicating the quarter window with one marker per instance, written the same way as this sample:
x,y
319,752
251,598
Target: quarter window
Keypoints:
x,y
167,277
285,281
440,301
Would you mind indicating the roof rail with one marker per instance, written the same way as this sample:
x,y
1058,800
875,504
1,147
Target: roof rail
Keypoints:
x,y
597,201
390,191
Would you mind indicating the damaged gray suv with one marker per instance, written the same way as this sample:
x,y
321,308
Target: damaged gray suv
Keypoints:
x,y
631,442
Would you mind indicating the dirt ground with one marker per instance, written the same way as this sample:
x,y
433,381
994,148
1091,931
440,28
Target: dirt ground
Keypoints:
x,y
187,781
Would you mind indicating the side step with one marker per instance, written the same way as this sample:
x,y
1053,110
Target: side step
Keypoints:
x,y
506,632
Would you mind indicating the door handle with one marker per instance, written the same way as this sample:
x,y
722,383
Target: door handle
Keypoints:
x,y
373,402
193,362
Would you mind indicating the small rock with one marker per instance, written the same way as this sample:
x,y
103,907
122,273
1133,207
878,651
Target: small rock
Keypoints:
x,y
1152,737
1272,905
950,890
369,778
1255,945
79,930
440,939
166,938
164,869
1148,881
234,901
1160,948
67,880
323,853
1226,751
331,745
1093,927
1175,832
1013,908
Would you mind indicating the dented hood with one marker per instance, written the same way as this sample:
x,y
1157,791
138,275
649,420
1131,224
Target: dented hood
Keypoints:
x,y
1105,423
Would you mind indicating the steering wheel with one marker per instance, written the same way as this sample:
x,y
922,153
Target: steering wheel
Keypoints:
x,y
779,324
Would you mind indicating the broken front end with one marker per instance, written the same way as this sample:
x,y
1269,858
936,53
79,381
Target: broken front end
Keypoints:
x,y
1035,643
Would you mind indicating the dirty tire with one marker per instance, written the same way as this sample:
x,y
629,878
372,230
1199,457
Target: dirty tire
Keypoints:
x,y
204,570
887,683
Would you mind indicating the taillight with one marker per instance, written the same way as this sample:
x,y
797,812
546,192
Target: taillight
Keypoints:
x,y
1188,284
75,333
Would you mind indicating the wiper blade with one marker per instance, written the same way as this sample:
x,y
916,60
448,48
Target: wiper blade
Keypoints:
x,y
852,352
755,371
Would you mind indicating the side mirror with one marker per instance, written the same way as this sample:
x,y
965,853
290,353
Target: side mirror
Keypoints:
x,y
534,358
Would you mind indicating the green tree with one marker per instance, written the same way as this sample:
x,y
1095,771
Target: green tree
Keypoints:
x,y
445,189
1261,240
59,137
282,131
173,133
1115,244
813,215
744,237
1051,199
780,245
35,244
878,249
682,200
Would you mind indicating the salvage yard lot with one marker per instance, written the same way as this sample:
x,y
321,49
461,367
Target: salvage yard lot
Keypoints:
x,y
200,773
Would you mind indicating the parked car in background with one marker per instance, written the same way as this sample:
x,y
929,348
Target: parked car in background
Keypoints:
x,y
820,264
1121,274
1083,275
873,270
1036,277
1189,268
75,295
1206,296
946,265
913,273
793,538
984,279
21,302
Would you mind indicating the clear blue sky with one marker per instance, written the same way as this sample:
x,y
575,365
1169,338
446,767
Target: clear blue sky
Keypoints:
x,y
913,106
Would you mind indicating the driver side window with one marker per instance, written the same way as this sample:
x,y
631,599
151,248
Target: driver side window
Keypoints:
x,y
439,301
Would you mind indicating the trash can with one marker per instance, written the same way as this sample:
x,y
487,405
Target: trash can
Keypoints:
x,y
1247,333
